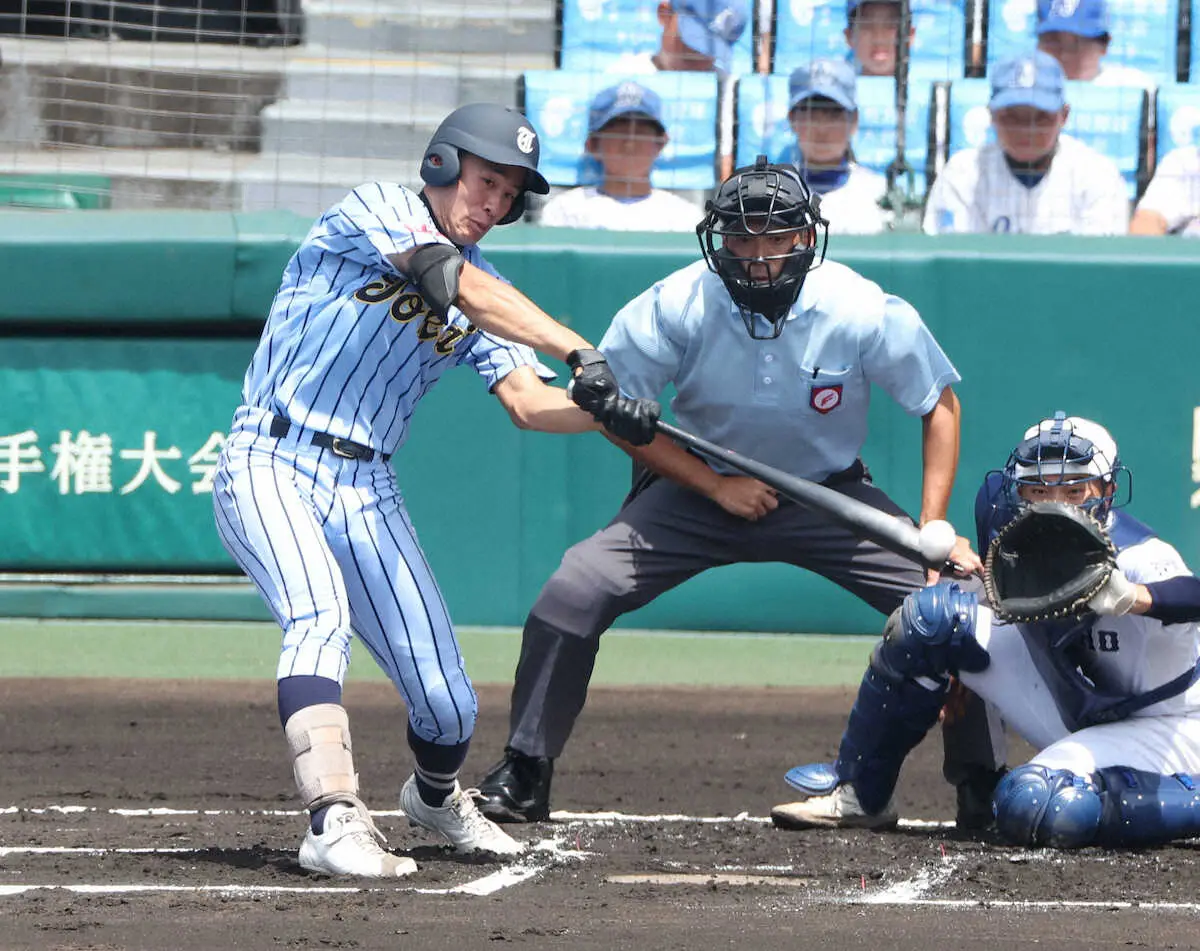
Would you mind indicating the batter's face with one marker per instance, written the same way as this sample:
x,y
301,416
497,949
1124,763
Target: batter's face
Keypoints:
x,y
1079,56
1026,134
1075,493
872,36
483,194
771,248
627,147
823,131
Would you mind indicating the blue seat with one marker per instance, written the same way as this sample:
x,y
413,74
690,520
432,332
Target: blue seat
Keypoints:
x,y
814,29
1144,33
763,128
1178,113
595,33
557,101
1110,119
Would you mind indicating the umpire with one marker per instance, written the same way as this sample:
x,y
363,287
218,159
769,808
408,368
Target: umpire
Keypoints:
x,y
773,362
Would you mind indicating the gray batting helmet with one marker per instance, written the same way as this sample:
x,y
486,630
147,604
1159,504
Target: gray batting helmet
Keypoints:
x,y
494,132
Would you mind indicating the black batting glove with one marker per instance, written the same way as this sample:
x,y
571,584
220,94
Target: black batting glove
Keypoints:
x,y
592,381
631,420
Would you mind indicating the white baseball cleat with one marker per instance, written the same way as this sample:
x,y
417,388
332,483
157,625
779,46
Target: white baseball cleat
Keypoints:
x,y
839,809
349,845
459,821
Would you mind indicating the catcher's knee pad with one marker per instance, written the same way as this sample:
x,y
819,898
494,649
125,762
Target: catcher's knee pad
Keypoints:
x,y
933,634
1035,805
322,759
889,718
1144,808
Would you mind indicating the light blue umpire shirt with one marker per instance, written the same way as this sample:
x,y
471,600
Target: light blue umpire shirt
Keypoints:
x,y
798,402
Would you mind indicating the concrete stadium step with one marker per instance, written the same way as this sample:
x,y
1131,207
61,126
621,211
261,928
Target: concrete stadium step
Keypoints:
x,y
214,181
348,128
439,81
450,26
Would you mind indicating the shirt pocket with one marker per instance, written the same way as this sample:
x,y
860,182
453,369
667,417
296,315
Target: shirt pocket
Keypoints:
x,y
824,390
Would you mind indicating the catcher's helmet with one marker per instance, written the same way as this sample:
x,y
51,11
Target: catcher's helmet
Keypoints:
x,y
1067,450
763,199
494,132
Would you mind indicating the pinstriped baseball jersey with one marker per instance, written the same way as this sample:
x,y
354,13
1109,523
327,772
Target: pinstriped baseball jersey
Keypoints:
x,y
350,347
348,350
1083,193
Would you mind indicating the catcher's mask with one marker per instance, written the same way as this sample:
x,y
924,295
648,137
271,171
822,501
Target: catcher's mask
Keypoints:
x,y
757,200
1068,450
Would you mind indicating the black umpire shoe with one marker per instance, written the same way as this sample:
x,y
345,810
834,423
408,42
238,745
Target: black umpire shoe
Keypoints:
x,y
517,789
975,799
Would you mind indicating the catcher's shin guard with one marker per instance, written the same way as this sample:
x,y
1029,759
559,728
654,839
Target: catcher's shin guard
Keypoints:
x,y
1118,806
905,686
889,718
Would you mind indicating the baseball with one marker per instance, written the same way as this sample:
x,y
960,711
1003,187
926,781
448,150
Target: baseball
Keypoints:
x,y
936,540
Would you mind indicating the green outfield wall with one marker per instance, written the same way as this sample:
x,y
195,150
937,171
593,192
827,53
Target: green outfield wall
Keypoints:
x,y
124,336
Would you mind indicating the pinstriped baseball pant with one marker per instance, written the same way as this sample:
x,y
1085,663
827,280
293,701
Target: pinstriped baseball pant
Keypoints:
x,y
331,549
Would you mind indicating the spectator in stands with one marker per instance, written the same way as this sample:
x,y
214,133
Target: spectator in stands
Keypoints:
x,y
871,28
697,36
1033,178
824,115
626,135
1075,32
1171,204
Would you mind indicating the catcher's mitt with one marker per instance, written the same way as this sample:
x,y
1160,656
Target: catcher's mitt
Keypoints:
x,y
1047,563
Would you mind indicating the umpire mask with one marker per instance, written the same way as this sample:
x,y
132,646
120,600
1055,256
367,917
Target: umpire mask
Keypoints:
x,y
757,201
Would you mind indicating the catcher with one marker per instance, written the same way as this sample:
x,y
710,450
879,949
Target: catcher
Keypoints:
x,y
1089,650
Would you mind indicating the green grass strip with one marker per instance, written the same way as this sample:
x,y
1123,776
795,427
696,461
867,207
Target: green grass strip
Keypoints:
x,y
210,650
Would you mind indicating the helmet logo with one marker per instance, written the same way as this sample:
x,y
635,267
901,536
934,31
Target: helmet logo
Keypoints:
x,y
825,399
525,139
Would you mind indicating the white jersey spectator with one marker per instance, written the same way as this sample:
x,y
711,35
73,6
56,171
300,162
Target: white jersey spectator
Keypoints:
x,y
1076,33
823,113
697,36
626,135
1171,204
1032,179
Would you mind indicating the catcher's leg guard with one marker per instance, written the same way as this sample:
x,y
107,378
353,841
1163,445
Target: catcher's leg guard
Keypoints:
x,y
1144,808
1039,806
1118,806
901,694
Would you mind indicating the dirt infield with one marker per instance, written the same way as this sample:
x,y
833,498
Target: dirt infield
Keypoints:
x,y
144,814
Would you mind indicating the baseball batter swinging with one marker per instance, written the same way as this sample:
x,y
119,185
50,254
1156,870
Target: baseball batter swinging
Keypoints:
x,y
773,362
387,292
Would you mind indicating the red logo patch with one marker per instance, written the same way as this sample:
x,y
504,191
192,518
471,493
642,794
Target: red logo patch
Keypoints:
x,y
825,398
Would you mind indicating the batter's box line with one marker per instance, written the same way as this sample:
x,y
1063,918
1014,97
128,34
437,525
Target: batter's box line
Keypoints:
x,y
551,852
597,818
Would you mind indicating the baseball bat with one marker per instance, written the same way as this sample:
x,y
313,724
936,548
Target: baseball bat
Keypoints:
x,y
929,547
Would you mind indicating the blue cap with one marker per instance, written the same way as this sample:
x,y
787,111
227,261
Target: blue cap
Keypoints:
x,y
831,78
1082,17
853,5
1035,79
624,99
711,27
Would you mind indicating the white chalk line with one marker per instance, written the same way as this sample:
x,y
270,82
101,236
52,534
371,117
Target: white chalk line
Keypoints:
x,y
540,856
910,892
597,818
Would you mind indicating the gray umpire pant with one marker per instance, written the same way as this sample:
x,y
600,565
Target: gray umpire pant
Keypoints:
x,y
664,535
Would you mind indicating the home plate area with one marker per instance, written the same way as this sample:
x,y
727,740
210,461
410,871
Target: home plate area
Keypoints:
x,y
162,815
